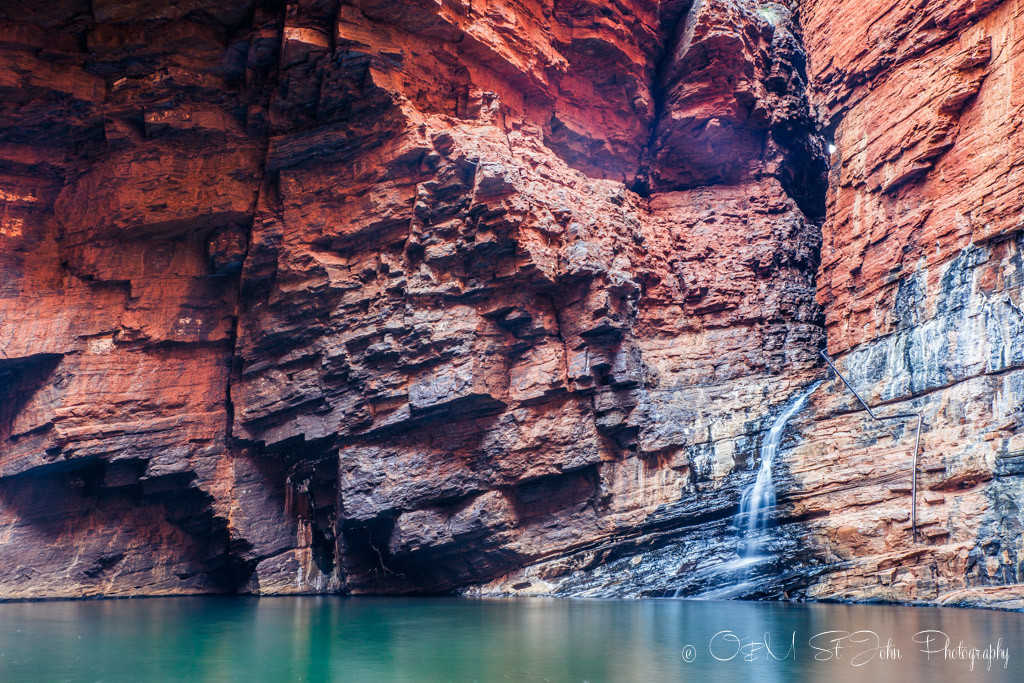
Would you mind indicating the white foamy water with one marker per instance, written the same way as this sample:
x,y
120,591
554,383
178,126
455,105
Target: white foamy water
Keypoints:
x,y
752,564
759,498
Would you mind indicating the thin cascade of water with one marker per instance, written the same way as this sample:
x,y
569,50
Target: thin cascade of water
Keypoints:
x,y
759,497
735,577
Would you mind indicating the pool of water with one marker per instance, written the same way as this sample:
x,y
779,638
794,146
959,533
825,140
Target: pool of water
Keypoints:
x,y
441,639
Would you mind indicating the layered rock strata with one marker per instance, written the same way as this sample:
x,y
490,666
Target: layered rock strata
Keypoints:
x,y
417,297
921,282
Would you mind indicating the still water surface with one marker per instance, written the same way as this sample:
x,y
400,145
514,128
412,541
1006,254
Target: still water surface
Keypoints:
x,y
425,639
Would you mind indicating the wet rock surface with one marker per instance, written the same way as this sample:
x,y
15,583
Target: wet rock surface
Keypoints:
x,y
412,297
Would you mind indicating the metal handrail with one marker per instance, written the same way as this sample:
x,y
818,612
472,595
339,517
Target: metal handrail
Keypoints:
x,y
881,418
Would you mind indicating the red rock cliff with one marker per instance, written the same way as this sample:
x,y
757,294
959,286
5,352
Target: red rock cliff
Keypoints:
x,y
502,295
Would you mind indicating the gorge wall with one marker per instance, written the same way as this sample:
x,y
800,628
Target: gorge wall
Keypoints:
x,y
501,296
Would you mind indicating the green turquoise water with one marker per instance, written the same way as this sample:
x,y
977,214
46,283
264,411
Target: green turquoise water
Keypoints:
x,y
425,639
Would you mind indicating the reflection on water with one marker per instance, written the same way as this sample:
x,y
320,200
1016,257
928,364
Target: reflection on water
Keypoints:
x,y
391,639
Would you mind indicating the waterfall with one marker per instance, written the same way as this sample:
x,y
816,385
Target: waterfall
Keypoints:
x,y
759,497
752,567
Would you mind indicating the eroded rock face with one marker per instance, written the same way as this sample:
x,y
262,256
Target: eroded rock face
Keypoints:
x,y
921,283
409,296
117,333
